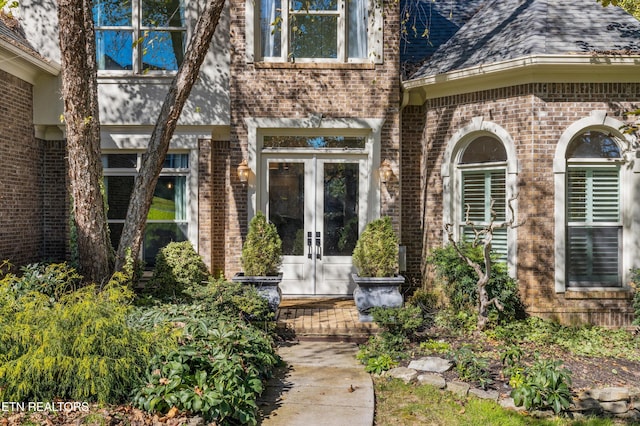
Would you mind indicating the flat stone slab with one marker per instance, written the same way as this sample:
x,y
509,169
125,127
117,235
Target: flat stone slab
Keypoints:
x,y
405,374
432,379
431,364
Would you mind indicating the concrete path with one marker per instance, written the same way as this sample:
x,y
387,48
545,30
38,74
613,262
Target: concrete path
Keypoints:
x,y
322,385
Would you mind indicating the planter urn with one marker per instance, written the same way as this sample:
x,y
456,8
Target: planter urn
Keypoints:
x,y
267,286
371,292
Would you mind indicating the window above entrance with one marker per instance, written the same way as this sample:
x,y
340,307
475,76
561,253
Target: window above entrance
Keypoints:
x,y
334,31
315,142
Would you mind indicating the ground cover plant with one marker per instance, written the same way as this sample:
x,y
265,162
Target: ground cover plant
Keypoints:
x,y
202,348
541,364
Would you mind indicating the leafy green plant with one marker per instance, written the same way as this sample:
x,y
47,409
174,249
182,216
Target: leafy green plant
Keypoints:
x,y
262,250
543,385
376,252
511,357
79,347
216,371
461,283
53,280
402,321
379,364
635,282
435,347
471,367
178,266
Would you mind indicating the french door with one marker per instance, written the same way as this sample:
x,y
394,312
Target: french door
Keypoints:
x,y
318,203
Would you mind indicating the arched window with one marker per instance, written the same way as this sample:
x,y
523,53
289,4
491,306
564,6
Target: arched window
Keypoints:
x,y
593,210
482,169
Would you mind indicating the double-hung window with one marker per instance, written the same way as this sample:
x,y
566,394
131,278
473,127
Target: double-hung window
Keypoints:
x,y
314,30
594,226
167,220
482,168
139,36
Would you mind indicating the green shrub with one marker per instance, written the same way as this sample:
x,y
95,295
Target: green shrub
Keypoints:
x,y
233,299
178,266
79,347
471,367
427,302
217,371
635,280
434,347
376,252
543,385
53,280
461,283
511,357
262,250
402,321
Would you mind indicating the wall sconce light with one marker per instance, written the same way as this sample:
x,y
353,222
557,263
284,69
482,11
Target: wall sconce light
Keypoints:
x,y
243,171
386,172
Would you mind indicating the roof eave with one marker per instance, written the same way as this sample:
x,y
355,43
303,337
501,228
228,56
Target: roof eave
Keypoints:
x,y
583,68
20,63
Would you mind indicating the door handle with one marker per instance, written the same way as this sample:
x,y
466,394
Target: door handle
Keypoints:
x,y
309,242
318,246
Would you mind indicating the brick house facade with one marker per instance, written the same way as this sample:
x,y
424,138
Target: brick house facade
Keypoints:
x,y
314,118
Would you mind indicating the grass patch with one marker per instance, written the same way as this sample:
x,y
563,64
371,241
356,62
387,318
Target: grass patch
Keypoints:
x,y
399,404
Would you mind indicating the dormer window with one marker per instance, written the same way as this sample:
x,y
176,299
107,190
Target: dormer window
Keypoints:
x,y
139,36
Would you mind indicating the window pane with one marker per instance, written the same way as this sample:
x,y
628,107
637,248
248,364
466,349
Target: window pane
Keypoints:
x,y
169,199
270,30
593,144
162,13
176,161
357,28
314,36
118,190
112,13
158,235
120,161
474,203
163,50
114,50
307,5
286,205
313,142
594,195
594,255
484,149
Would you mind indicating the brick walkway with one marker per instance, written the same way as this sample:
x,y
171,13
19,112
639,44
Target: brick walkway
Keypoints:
x,y
331,319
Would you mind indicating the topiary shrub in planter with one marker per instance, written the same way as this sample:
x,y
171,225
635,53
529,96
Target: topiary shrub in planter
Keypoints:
x,y
376,260
261,260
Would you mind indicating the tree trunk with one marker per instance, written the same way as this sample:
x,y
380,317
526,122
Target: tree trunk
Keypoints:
x,y
82,121
156,153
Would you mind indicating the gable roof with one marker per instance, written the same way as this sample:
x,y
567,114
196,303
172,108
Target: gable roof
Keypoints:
x,y
508,29
20,58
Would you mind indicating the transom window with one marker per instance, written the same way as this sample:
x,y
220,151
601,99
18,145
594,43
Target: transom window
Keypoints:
x,y
167,219
482,168
312,30
594,237
139,36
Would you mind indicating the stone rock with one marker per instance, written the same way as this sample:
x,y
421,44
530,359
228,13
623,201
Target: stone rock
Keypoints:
x,y
614,394
431,364
586,404
405,374
589,394
615,407
509,404
485,394
459,388
432,379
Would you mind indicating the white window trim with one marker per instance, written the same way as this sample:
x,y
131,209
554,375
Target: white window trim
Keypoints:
x,y
629,205
452,178
375,31
369,127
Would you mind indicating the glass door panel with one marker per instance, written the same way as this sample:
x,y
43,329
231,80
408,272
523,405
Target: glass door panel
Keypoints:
x,y
286,205
341,187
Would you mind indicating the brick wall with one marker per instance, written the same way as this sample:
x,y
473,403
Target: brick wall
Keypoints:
x,y
297,92
535,116
20,197
55,201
